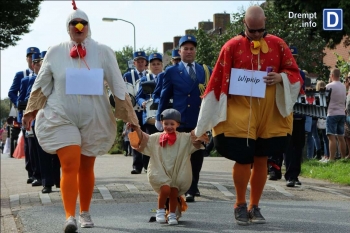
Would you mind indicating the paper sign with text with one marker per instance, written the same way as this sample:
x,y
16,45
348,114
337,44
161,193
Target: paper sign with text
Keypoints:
x,y
247,83
84,82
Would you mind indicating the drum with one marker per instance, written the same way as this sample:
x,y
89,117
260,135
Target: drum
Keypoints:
x,y
130,89
151,114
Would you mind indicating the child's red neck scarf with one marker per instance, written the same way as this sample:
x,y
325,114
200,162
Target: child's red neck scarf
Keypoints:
x,y
167,137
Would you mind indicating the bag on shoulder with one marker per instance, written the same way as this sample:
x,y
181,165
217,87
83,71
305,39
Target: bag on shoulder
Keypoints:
x,y
321,123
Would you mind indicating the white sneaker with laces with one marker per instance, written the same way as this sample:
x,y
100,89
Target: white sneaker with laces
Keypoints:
x,y
172,219
70,226
160,216
85,220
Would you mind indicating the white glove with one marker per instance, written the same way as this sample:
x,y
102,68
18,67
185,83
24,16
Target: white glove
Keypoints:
x,y
159,125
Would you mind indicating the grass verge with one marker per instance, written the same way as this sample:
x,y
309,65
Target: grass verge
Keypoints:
x,y
337,172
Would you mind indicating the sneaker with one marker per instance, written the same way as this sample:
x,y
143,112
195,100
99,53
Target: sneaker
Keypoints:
x,y
160,216
172,219
70,225
85,220
297,182
290,183
255,215
241,214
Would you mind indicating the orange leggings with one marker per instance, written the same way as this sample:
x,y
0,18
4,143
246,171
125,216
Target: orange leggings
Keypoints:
x,y
77,177
165,192
242,173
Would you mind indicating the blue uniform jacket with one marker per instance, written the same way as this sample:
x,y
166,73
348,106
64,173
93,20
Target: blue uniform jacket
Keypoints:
x,y
22,95
16,85
127,78
141,97
178,84
30,85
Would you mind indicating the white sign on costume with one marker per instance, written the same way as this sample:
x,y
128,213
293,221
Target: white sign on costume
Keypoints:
x,y
84,81
247,83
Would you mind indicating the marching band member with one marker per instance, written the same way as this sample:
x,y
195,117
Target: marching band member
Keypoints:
x,y
155,67
133,77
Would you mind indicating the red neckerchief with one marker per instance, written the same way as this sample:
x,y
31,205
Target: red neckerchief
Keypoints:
x,y
77,51
167,137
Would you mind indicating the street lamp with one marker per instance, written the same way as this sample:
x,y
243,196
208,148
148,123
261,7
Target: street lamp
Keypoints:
x,y
115,19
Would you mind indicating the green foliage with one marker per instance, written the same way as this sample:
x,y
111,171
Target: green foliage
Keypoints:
x,y
337,172
16,17
5,107
343,65
117,147
127,54
300,6
310,45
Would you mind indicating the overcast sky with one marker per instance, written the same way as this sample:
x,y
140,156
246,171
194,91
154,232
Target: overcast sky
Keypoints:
x,y
155,22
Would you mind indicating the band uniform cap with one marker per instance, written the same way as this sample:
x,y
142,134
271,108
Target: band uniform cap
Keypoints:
x,y
140,54
42,54
294,50
171,114
155,56
36,57
188,38
175,54
32,50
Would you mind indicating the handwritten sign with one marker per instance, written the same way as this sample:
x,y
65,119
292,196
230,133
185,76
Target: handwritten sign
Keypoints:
x,y
247,83
84,82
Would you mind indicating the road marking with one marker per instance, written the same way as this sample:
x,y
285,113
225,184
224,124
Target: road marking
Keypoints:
x,y
105,193
45,198
132,188
327,190
281,190
222,189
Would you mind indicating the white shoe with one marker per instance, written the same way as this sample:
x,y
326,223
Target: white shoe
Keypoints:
x,y
323,159
160,216
172,219
70,225
85,220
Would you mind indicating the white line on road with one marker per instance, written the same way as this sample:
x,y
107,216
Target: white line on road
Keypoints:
x,y
327,190
105,193
222,189
132,188
281,190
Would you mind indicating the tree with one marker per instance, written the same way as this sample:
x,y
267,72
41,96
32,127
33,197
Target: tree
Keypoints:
x,y
16,17
343,65
310,47
332,38
5,106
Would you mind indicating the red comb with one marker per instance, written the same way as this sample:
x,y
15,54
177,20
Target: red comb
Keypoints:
x,y
74,6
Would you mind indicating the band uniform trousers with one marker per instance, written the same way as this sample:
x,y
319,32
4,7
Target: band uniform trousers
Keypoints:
x,y
150,129
196,162
34,157
28,163
49,165
293,156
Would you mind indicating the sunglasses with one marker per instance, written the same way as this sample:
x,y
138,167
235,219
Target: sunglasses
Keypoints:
x,y
73,23
255,30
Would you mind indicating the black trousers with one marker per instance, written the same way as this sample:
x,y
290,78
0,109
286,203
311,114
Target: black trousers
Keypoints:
x,y
34,156
49,166
28,163
127,147
293,156
196,162
137,162
150,129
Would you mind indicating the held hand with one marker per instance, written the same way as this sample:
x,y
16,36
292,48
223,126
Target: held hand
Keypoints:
x,y
159,125
144,104
272,78
27,120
